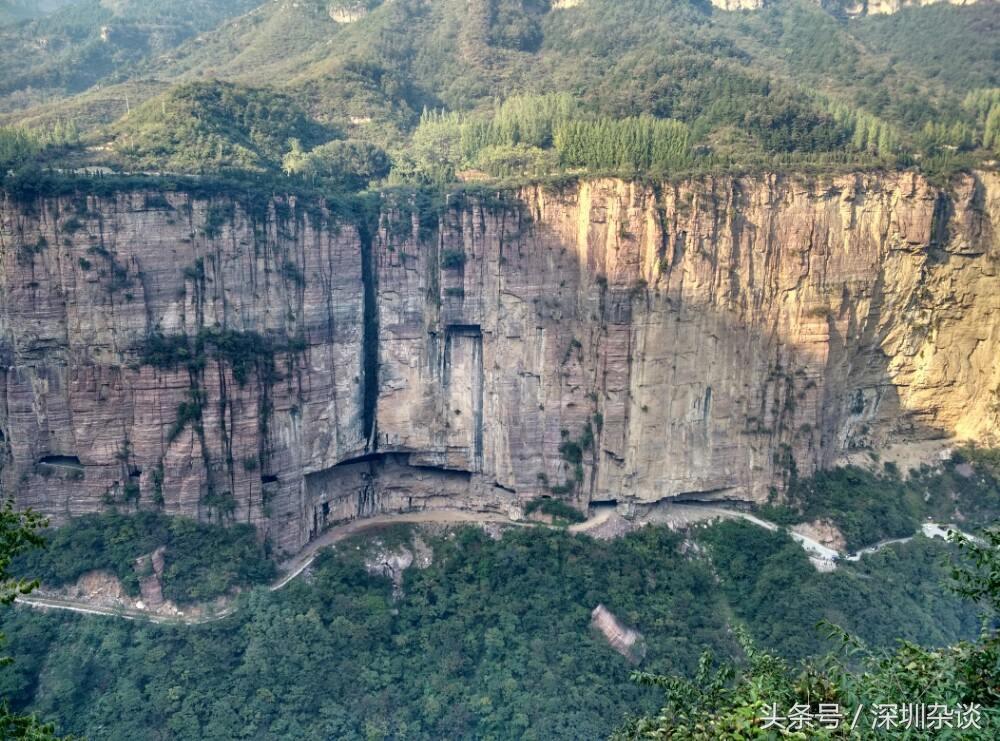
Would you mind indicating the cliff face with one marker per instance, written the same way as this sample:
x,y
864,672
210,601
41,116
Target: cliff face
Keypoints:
x,y
290,367
888,7
851,8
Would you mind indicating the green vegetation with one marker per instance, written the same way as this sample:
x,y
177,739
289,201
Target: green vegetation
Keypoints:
x,y
350,164
733,701
559,511
452,259
868,507
540,135
20,147
571,450
213,126
678,88
201,561
244,352
88,42
13,11
19,533
17,147
774,590
491,640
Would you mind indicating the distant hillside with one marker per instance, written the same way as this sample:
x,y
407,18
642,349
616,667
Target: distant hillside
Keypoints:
x,y
94,42
791,84
12,11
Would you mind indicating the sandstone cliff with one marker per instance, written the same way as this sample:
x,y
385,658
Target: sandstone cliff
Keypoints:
x,y
292,366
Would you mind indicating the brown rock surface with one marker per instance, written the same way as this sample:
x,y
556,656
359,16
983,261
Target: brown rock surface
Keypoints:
x,y
712,333
150,571
626,641
823,532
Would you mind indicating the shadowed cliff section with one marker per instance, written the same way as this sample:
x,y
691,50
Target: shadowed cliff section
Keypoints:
x,y
369,343
608,341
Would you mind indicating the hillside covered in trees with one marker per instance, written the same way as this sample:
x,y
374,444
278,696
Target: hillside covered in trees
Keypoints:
x,y
489,641
452,89
350,99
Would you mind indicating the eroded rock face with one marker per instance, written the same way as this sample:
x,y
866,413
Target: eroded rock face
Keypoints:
x,y
888,7
611,341
738,4
850,8
626,641
350,11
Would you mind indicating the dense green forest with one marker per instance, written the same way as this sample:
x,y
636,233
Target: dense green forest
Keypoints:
x,y
89,42
869,506
12,11
426,92
201,561
490,641
850,692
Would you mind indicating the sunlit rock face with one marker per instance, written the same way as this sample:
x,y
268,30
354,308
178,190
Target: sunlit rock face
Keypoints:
x,y
852,8
351,11
606,341
888,7
738,4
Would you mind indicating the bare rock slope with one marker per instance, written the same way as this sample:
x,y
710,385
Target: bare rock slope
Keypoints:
x,y
290,366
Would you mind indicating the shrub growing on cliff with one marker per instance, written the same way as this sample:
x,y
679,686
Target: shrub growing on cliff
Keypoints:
x,y
201,561
244,352
555,508
452,259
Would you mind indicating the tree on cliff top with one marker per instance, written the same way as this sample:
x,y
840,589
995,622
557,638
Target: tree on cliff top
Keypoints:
x,y
732,702
18,533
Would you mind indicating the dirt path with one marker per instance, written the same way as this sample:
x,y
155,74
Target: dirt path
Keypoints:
x,y
79,606
291,568
680,514
301,561
813,547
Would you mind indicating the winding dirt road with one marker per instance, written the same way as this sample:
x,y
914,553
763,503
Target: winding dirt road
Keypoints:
x,y
291,568
673,514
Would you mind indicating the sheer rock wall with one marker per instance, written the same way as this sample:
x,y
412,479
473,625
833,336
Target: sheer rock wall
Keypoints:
x,y
612,341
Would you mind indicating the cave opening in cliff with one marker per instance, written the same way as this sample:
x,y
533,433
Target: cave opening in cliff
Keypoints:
x,y
60,461
60,465
464,330
399,458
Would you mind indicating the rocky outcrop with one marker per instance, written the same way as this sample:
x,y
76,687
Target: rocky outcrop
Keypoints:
x,y
626,641
738,4
150,571
850,8
290,365
350,11
888,7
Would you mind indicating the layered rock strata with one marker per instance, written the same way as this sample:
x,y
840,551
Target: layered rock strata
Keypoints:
x,y
288,365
